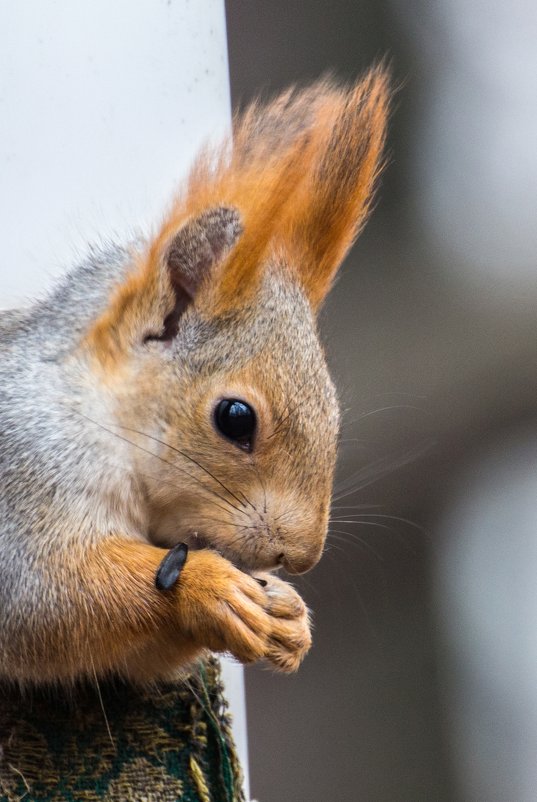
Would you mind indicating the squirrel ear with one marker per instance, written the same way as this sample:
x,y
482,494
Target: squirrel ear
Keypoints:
x,y
190,255
150,302
333,201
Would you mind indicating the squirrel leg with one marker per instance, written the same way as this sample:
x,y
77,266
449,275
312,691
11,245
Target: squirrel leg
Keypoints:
x,y
116,620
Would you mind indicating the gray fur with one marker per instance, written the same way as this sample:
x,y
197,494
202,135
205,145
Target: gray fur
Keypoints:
x,y
54,464
64,479
108,389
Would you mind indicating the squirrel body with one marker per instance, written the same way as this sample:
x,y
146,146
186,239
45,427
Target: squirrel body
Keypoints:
x,y
175,391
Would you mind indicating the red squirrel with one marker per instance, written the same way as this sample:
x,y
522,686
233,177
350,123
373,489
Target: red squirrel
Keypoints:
x,y
175,391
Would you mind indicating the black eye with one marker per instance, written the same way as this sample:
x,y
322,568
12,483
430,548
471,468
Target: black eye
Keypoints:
x,y
236,421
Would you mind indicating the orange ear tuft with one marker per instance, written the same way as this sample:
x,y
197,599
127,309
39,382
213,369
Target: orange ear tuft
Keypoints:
x,y
298,176
332,203
265,195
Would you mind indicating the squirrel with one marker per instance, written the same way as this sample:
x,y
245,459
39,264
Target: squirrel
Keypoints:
x,y
174,390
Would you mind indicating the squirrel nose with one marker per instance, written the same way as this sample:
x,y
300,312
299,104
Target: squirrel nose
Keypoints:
x,y
297,561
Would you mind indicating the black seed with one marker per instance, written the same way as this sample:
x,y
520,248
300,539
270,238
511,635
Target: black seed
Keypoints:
x,y
171,566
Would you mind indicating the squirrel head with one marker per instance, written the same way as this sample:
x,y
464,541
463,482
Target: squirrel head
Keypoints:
x,y
209,349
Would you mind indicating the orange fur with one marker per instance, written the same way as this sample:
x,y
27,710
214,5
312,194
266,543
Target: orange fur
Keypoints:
x,y
143,298
222,299
332,203
123,620
304,192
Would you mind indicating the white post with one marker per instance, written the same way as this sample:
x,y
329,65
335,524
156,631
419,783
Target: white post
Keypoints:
x,y
102,107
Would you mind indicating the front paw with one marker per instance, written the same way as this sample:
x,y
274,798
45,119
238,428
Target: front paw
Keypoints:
x,y
291,631
227,610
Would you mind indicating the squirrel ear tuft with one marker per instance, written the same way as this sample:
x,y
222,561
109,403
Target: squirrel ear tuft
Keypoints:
x,y
333,201
190,255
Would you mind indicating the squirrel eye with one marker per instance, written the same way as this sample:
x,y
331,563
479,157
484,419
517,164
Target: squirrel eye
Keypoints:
x,y
236,420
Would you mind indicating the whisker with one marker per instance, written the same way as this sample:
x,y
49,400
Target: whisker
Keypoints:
x,y
389,408
261,482
312,588
380,468
331,545
356,540
360,517
167,462
355,506
101,702
383,463
244,537
281,417
292,411
182,454
349,521
366,613
247,500
227,523
285,514
391,529
174,485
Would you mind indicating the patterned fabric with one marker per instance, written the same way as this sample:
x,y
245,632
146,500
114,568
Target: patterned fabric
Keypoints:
x,y
167,743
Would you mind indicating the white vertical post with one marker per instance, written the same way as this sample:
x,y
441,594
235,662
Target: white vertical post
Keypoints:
x,y
102,107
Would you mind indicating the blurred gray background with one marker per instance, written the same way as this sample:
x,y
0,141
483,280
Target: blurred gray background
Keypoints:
x,y
430,335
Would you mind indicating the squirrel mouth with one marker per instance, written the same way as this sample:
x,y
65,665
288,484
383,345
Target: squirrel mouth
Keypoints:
x,y
195,541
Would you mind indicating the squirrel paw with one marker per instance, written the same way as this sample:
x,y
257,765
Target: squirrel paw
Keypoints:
x,y
291,635
230,611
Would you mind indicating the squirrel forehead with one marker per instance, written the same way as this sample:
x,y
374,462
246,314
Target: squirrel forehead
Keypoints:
x,y
278,325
